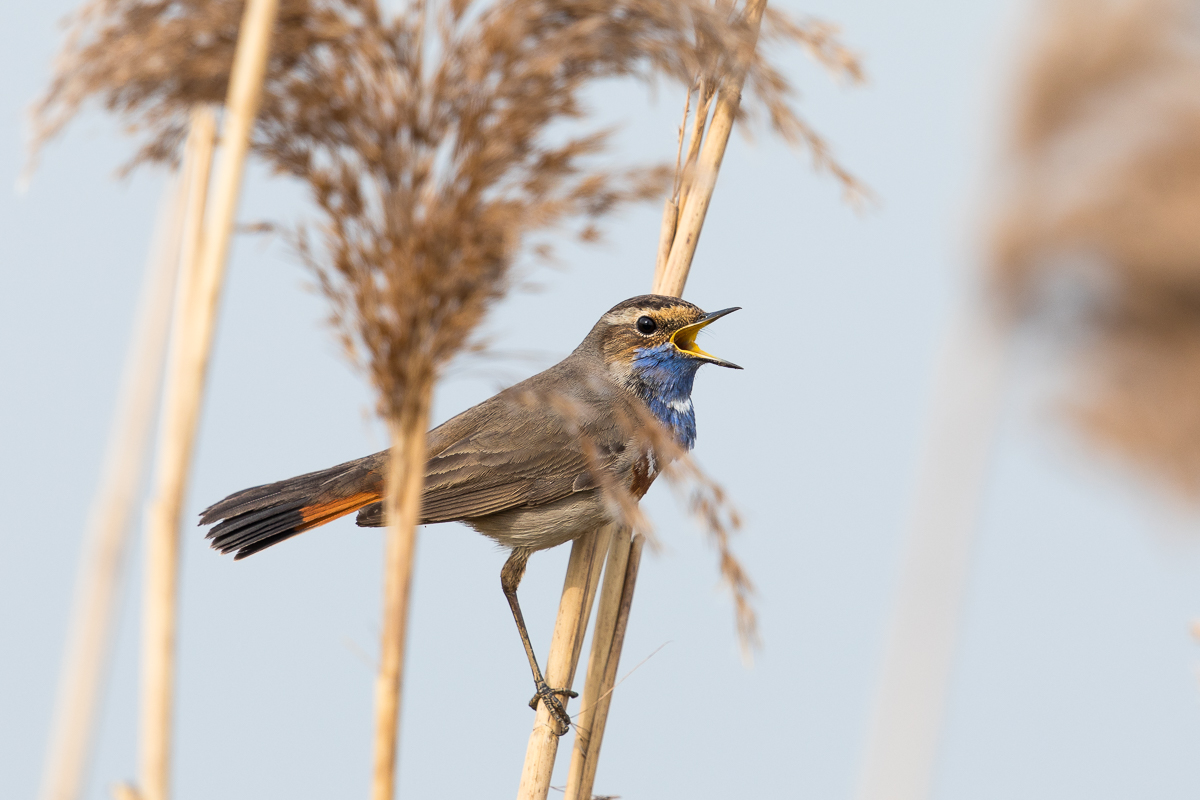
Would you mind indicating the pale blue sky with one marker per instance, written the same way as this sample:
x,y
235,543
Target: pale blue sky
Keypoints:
x,y
1076,676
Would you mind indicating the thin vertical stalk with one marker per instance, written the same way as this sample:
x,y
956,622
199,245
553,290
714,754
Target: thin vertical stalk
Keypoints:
x,y
906,720
703,179
191,347
202,139
606,622
574,610
671,205
102,566
402,506
666,236
172,450
604,539
583,770
704,96
696,190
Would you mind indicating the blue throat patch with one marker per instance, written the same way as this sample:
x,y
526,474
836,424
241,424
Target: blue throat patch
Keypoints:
x,y
665,379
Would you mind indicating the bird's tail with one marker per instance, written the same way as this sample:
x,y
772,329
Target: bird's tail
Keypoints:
x,y
256,518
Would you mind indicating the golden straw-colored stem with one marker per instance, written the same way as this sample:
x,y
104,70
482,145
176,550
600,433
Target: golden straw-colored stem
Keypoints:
x,y
665,237
704,96
175,438
402,505
671,206
703,179
687,107
583,776
183,397
198,166
574,609
102,566
604,539
606,621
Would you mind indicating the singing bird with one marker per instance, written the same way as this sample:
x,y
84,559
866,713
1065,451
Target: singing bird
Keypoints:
x,y
521,467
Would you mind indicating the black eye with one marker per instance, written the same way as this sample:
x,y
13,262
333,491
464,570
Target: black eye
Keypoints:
x,y
646,326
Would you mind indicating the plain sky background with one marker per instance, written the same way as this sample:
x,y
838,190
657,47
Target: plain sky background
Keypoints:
x,y
1076,676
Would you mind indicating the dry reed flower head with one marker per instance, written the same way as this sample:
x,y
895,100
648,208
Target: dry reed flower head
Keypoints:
x,y
1101,221
422,135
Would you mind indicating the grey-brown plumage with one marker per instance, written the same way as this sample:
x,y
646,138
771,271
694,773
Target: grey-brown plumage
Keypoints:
x,y
539,464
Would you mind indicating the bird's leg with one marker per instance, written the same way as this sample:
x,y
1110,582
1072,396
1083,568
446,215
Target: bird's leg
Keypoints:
x,y
510,579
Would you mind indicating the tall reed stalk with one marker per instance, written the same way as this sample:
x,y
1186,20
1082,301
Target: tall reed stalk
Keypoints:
x,y
590,702
191,345
583,770
574,610
907,716
106,540
406,476
160,591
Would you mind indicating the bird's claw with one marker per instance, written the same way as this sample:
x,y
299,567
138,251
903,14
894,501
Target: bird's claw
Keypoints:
x,y
550,697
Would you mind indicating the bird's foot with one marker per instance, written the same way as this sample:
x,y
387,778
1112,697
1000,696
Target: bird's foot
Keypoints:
x,y
550,697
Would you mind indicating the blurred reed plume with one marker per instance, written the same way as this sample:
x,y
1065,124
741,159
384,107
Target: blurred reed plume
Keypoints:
x,y
1099,233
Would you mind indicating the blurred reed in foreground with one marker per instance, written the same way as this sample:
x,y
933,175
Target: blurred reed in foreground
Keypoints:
x,y
112,518
1098,239
1094,250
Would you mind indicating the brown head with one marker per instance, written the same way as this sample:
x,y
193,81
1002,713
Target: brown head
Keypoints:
x,y
652,339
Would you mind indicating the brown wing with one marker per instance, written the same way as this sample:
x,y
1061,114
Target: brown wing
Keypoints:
x,y
518,457
514,450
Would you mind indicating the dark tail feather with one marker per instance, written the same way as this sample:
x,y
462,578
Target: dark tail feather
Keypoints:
x,y
256,518
371,516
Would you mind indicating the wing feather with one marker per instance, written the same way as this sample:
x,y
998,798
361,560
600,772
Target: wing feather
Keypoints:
x,y
508,452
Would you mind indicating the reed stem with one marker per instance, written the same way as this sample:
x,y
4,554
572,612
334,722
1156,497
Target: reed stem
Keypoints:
x,y
666,237
606,622
102,566
191,346
583,769
574,610
905,729
176,432
687,173
702,180
402,505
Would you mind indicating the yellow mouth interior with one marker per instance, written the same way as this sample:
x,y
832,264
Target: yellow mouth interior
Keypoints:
x,y
685,339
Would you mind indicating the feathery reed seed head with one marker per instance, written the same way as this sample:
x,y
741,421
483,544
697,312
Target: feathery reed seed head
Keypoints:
x,y
421,135
1099,224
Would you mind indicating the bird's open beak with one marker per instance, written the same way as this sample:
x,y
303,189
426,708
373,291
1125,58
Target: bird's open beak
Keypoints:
x,y
685,338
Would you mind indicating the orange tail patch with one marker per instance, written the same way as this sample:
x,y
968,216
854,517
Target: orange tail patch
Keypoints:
x,y
320,513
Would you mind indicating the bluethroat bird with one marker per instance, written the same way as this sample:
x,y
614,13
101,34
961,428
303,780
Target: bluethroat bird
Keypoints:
x,y
531,467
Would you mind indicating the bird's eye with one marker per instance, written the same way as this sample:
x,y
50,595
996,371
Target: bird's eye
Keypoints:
x,y
646,326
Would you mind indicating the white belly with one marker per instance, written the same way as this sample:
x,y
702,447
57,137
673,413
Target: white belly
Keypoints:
x,y
540,527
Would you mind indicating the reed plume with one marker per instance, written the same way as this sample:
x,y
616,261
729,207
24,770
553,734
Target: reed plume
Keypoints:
x,y
1097,241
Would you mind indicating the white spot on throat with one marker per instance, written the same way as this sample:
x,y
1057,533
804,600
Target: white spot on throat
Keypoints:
x,y
682,406
651,463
